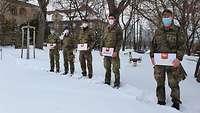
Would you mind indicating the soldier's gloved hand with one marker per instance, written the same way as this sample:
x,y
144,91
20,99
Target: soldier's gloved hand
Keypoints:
x,y
114,55
176,63
89,49
153,61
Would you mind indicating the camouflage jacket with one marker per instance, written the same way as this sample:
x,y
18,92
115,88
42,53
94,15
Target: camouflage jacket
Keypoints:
x,y
53,39
86,37
113,37
68,43
171,41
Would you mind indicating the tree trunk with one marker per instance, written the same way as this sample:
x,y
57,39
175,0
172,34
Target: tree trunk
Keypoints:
x,y
124,41
1,22
41,31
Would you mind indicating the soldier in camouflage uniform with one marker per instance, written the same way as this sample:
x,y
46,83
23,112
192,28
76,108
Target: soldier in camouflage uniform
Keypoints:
x,y
112,38
86,37
198,75
54,52
197,70
68,48
168,39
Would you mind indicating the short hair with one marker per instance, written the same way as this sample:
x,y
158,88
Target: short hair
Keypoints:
x,y
111,14
66,27
86,21
52,29
167,11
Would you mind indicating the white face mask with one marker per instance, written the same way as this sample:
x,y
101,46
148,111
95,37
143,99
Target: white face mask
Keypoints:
x,y
66,32
111,22
52,31
84,25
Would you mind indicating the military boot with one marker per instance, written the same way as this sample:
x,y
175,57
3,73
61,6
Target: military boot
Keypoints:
x,y
108,83
117,84
51,70
57,71
84,74
176,106
161,102
198,80
65,73
90,76
71,73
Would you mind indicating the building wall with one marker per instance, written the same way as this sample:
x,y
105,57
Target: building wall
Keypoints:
x,y
18,14
23,12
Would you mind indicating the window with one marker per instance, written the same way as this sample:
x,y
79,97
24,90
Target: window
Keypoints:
x,y
13,10
22,11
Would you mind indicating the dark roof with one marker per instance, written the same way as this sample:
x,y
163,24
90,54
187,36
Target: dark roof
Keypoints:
x,y
23,3
83,7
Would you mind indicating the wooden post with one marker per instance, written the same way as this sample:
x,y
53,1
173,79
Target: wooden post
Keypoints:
x,y
28,42
34,43
22,43
1,53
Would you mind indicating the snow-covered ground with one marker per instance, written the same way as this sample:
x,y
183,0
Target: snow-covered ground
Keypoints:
x,y
26,86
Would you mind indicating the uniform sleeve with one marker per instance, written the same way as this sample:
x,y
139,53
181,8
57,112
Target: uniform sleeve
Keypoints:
x,y
49,38
78,38
181,45
58,43
153,45
119,40
64,42
102,38
74,42
92,40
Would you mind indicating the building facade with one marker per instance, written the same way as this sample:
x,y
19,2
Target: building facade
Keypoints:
x,y
18,13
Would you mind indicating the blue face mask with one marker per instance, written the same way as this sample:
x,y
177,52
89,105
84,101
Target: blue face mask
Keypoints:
x,y
167,21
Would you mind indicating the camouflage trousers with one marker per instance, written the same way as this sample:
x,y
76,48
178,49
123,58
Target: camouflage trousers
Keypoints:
x,y
54,59
173,81
85,58
197,68
68,56
115,63
198,75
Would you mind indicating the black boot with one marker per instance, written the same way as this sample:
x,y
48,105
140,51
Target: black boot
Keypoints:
x,y
90,76
71,74
161,102
176,105
198,80
108,83
57,71
116,84
84,74
65,73
51,70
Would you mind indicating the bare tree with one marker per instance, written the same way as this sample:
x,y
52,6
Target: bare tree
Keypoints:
x,y
42,23
117,10
127,24
4,6
187,13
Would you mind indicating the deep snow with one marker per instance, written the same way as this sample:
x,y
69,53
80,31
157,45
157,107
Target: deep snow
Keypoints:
x,y
27,87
